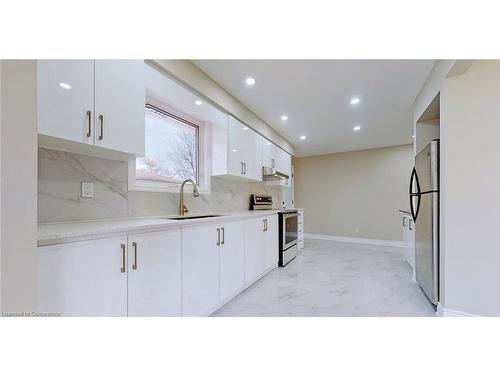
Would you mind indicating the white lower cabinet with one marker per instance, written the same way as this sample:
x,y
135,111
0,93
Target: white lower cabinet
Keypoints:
x,y
231,260
261,247
87,278
154,274
254,251
190,271
200,269
271,255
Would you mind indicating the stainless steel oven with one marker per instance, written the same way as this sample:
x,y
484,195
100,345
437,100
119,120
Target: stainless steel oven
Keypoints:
x,y
288,227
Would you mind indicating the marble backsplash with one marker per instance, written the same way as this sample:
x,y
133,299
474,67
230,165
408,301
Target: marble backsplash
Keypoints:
x,y
59,181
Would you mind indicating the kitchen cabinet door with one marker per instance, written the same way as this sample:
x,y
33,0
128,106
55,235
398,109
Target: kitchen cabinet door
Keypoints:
x,y
119,105
87,278
238,147
65,99
254,250
285,163
244,151
154,274
200,270
271,244
254,157
232,259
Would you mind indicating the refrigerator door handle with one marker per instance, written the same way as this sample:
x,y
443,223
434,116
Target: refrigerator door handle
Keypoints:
x,y
414,177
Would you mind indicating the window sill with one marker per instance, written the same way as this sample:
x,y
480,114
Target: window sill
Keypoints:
x,y
159,189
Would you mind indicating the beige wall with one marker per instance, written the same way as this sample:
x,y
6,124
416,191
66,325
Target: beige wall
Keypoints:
x,y
191,75
470,166
18,186
355,194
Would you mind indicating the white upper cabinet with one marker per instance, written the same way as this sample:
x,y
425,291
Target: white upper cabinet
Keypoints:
x,y
237,151
119,105
99,103
275,157
154,274
66,99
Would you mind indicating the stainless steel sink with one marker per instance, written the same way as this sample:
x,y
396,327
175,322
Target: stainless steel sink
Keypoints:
x,y
192,217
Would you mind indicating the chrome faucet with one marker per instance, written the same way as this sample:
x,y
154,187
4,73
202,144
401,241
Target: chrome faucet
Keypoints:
x,y
182,207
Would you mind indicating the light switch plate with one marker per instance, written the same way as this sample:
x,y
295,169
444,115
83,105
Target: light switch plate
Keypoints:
x,y
87,190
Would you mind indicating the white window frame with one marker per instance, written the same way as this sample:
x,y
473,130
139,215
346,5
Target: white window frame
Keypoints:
x,y
204,158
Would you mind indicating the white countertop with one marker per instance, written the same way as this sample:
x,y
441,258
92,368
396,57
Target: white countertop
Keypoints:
x,y
56,233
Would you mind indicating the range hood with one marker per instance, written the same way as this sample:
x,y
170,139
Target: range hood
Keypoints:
x,y
271,174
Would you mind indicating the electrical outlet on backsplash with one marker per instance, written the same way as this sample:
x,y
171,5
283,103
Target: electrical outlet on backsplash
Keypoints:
x,y
59,191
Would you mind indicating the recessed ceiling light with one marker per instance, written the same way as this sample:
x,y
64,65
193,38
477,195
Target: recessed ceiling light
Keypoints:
x,y
250,81
245,128
357,128
303,137
354,101
413,136
65,85
198,102
234,150
284,117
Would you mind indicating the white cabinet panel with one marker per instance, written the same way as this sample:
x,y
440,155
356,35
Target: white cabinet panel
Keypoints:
x,y
244,151
119,105
271,244
65,99
261,247
238,147
83,278
254,158
200,270
154,274
254,250
232,260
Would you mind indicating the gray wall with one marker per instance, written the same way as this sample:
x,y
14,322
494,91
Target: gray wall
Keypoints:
x,y
470,184
61,173
355,194
18,186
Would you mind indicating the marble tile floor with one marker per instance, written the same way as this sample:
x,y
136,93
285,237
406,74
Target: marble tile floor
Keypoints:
x,y
335,279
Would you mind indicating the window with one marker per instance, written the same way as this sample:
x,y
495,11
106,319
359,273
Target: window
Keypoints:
x,y
175,150
172,148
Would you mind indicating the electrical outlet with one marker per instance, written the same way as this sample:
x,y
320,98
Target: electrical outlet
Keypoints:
x,y
87,190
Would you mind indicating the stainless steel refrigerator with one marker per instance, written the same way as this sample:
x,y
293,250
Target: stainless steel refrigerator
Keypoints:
x,y
424,205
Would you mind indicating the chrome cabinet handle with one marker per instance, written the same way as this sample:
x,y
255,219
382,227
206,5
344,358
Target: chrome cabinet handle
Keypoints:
x,y
89,119
101,122
242,167
134,266
404,221
245,168
273,164
218,236
122,270
223,235
265,225
409,224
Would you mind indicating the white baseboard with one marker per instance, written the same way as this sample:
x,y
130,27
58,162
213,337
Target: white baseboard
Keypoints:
x,y
367,241
444,312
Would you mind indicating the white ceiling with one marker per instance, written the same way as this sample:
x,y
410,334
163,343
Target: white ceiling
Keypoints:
x,y
315,95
